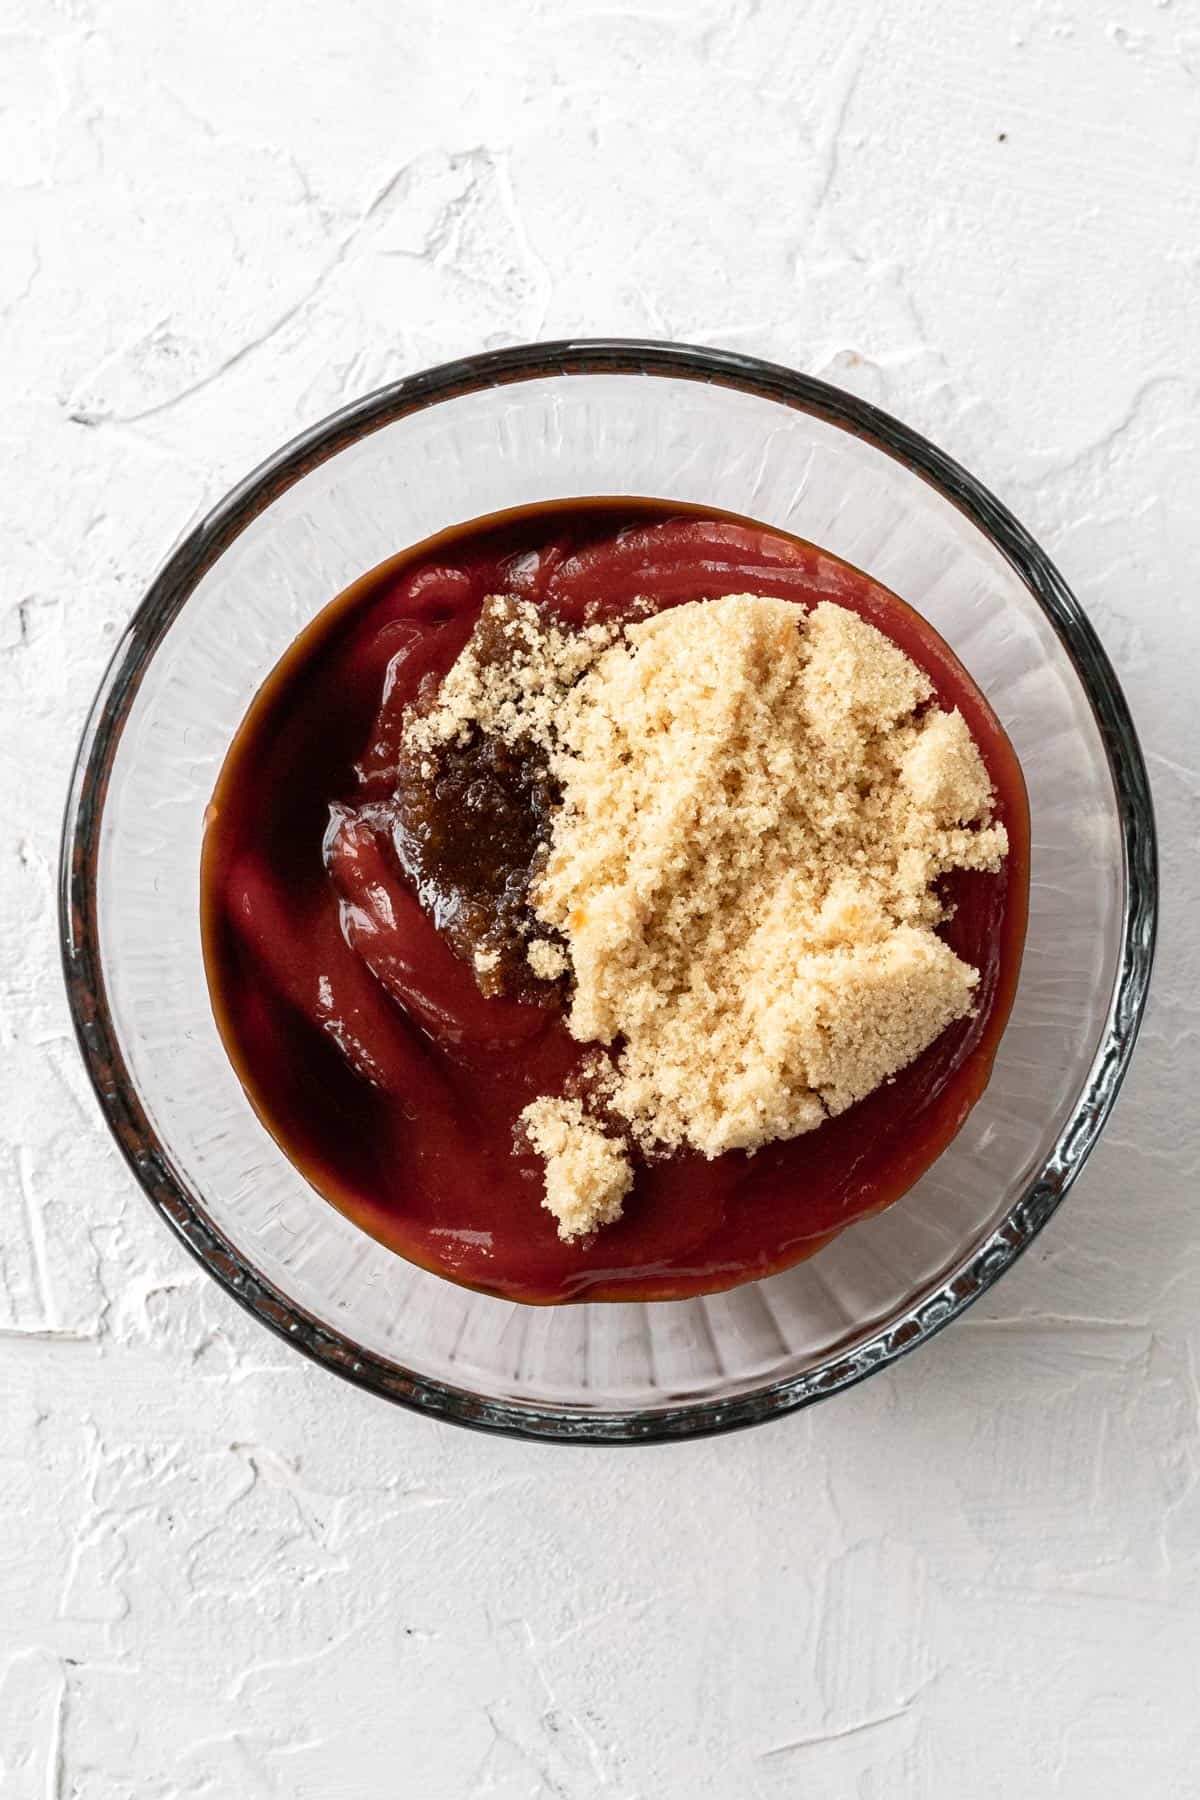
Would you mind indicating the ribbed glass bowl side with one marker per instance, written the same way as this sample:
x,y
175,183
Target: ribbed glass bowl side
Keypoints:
x,y
512,429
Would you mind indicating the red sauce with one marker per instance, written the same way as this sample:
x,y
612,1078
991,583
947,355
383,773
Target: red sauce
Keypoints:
x,y
363,1041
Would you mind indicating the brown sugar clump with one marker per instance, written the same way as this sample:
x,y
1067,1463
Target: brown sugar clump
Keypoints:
x,y
757,804
588,1171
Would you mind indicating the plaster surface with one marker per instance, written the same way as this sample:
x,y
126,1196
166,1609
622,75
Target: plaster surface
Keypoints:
x,y
224,1573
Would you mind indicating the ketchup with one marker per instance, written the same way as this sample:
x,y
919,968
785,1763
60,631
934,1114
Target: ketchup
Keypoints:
x,y
362,1039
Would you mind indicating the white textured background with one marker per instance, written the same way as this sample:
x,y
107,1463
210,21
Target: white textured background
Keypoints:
x,y
225,1574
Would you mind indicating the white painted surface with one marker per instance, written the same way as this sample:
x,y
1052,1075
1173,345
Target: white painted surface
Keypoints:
x,y
224,1574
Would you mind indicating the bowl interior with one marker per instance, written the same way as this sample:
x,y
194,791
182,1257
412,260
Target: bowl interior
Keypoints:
x,y
562,435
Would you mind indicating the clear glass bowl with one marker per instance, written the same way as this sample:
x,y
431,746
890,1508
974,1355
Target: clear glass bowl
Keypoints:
x,y
518,426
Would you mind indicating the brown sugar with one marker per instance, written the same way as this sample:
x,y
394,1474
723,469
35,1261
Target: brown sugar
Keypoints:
x,y
588,1172
741,878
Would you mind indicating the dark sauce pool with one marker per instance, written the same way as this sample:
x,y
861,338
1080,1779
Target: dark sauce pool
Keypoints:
x,y
363,1040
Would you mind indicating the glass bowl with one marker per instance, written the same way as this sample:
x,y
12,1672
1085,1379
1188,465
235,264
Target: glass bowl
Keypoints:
x,y
503,430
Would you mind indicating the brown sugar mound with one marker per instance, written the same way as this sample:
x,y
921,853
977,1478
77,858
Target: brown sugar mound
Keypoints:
x,y
757,804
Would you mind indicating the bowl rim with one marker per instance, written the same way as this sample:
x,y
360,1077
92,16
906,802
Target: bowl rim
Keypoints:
x,y
168,592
